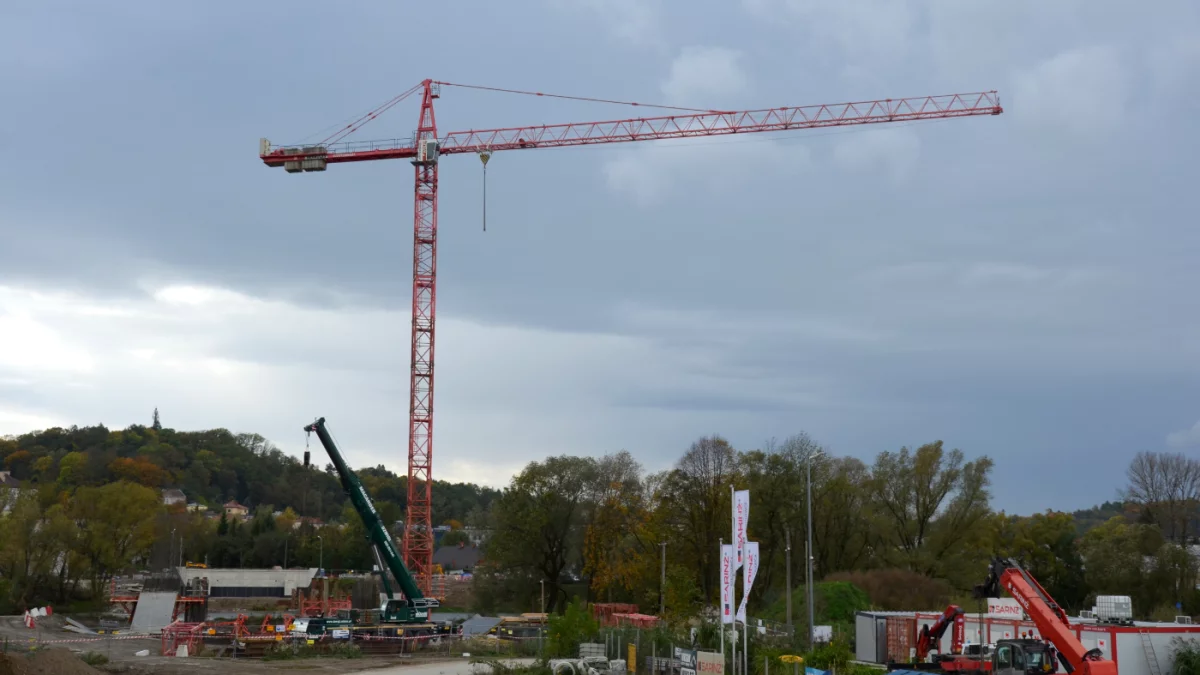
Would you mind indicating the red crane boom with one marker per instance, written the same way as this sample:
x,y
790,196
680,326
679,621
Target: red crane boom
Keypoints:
x,y
1049,617
423,150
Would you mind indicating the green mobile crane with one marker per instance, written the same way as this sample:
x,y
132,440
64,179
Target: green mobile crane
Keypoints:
x,y
414,607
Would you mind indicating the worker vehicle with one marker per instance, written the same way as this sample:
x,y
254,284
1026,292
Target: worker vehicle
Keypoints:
x,y
412,608
1029,656
197,565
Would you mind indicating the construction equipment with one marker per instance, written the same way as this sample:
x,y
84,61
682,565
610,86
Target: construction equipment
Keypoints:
x,y
931,636
425,149
413,607
1026,656
1050,618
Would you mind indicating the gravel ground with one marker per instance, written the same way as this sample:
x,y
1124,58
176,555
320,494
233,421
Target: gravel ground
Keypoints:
x,y
122,659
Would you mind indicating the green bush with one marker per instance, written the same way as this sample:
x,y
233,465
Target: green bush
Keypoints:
x,y
565,631
1187,657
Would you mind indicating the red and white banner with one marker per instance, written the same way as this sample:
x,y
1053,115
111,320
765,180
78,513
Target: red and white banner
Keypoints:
x,y
741,516
727,572
748,572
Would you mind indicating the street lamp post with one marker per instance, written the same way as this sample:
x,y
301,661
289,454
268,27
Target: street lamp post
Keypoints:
x,y
787,564
321,559
662,583
171,550
543,583
808,562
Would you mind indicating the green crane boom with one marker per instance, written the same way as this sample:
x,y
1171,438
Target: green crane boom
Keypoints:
x,y
414,607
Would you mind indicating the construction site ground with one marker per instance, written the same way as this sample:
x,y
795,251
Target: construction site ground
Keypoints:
x,y
121,652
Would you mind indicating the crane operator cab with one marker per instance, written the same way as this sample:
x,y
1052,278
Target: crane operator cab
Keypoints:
x,y
1023,657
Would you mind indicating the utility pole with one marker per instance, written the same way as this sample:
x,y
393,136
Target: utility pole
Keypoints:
x,y
808,558
662,582
543,583
787,553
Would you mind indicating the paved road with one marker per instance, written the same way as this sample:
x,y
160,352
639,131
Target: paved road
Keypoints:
x,y
462,667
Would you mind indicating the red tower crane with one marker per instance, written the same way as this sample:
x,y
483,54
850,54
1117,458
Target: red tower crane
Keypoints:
x,y
424,150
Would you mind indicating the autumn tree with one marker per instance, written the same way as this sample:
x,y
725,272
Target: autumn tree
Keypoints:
x,y
1046,544
1166,488
1114,555
137,470
617,538
844,515
695,498
539,520
117,526
933,502
776,478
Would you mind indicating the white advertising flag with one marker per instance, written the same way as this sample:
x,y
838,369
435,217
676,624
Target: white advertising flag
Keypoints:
x,y
727,573
741,516
748,573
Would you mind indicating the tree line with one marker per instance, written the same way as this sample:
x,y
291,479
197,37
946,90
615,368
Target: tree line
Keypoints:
x,y
911,528
91,506
914,528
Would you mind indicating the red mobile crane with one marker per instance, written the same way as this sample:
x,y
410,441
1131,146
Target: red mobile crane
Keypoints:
x,y
931,636
1024,656
425,147
1051,621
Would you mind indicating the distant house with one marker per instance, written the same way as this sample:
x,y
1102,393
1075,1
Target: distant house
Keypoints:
x,y
460,558
196,507
307,520
10,489
173,496
235,510
477,535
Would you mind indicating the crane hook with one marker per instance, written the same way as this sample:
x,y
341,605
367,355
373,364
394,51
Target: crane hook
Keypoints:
x,y
484,156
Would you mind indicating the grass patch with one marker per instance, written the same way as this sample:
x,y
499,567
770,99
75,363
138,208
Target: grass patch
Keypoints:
x,y
283,651
1187,657
93,658
502,668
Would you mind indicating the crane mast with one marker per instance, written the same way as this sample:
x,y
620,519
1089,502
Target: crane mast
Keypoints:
x,y
425,147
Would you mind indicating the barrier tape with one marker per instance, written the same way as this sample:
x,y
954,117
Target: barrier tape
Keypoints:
x,y
286,636
148,636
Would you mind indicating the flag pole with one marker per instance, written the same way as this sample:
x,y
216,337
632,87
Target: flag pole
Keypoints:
x,y
733,579
720,583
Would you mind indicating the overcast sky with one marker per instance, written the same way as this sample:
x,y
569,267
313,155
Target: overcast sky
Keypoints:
x,y
1019,286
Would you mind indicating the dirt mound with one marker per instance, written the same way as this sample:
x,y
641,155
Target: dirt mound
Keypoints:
x,y
47,662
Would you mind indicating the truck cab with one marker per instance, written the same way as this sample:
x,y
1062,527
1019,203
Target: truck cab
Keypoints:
x,y
1023,657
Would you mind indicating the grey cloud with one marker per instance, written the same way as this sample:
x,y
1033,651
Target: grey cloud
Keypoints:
x,y
1187,438
984,280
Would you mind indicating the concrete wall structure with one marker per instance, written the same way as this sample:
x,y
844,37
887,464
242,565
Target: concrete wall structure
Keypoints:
x,y
233,582
1132,647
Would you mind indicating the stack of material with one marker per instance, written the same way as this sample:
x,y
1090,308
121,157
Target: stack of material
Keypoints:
x,y
154,611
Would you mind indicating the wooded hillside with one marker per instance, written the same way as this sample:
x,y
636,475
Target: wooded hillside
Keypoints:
x,y
212,467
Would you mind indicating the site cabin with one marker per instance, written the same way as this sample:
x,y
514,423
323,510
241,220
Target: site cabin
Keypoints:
x,y
882,637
